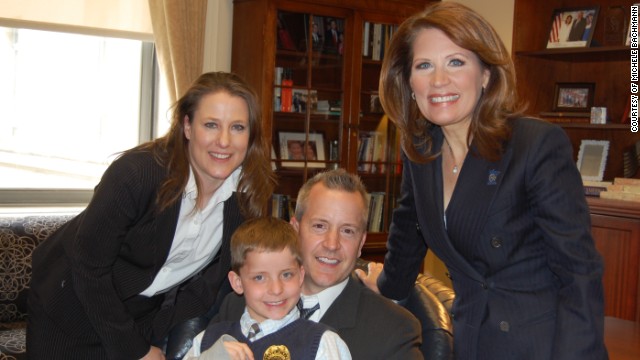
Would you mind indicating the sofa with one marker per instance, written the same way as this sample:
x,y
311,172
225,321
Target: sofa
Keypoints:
x,y
19,236
430,301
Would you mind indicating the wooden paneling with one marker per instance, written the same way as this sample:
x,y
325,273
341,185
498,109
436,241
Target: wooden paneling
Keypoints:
x,y
616,232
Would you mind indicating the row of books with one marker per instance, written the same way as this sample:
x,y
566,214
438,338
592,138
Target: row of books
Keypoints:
x,y
376,214
376,39
620,189
371,152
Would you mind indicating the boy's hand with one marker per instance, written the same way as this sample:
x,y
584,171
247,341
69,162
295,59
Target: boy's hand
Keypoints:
x,y
237,351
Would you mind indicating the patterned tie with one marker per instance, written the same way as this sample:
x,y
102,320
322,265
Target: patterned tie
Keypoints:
x,y
306,313
255,329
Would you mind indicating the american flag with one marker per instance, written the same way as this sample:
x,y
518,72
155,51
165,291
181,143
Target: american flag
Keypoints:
x,y
555,29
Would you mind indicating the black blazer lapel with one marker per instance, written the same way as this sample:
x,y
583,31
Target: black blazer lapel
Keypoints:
x,y
342,314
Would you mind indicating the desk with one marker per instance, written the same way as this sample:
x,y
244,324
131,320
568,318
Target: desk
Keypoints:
x,y
622,338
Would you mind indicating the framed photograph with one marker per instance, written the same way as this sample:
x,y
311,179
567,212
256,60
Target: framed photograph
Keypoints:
x,y
303,98
295,150
592,159
572,27
573,97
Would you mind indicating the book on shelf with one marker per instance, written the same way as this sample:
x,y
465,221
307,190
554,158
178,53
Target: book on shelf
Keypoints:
x,y
623,189
377,42
376,205
620,196
366,42
594,188
282,206
371,151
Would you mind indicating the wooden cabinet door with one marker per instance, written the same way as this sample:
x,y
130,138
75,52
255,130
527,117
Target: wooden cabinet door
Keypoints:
x,y
618,240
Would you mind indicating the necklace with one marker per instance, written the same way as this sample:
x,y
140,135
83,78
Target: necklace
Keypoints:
x,y
455,166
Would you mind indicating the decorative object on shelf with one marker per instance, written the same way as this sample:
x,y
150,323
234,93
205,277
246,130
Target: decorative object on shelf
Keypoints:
x,y
295,150
572,27
598,115
574,97
592,159
374,104
615,24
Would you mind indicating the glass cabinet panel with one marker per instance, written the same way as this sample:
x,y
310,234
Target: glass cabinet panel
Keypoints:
x,y
377,156
307,104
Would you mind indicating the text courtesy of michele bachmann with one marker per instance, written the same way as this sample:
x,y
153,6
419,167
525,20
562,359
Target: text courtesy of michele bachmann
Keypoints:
x,y
633,35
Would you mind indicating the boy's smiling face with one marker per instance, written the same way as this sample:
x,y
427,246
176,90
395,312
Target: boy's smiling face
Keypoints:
x,y
270,281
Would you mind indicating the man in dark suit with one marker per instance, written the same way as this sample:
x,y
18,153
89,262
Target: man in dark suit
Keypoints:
x,y
331,218
332,37
577,29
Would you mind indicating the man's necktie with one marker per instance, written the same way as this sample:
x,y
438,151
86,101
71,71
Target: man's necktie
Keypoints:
x,y
255,329
306,313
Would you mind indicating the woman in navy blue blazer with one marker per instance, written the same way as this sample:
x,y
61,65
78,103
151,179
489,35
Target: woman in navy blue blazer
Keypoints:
x,y
495,195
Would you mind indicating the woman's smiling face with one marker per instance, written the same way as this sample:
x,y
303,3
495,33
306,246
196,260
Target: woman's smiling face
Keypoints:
x,y
447,80
218,137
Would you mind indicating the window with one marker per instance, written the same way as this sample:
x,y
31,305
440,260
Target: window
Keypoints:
x,y
71,102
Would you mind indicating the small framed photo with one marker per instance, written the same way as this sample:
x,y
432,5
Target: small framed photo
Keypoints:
x,y
592,159
598,115
573,97
296,150
572,27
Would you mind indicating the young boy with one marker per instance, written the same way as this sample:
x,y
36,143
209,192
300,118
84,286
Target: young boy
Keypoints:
x,y
267,268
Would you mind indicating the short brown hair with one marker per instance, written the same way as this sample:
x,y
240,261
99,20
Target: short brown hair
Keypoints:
x,y
264,234
337,179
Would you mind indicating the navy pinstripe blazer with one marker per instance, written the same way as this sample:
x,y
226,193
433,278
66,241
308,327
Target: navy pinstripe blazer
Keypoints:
x,y
517,244
87,275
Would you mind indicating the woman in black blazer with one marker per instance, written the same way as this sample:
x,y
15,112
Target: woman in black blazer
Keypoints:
x,y
495,195
152,247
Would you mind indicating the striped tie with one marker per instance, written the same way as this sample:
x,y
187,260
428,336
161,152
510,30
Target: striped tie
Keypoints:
x,y
306,313
255,329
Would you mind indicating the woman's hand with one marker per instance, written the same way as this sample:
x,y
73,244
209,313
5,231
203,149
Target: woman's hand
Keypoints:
x,y
370,279
154,354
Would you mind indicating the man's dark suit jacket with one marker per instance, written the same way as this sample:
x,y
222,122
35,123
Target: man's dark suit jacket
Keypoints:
x,y
577,29
87,275
517,244
372,326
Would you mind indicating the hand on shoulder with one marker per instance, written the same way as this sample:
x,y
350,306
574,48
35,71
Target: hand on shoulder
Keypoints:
x,y
370,278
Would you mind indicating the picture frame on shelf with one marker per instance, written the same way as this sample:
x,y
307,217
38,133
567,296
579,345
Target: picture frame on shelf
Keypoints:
x,y
592,159
615,24
303,98
573,97
296,150
572,27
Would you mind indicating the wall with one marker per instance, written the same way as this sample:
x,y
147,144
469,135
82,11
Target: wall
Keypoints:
x,y
127,18
498,12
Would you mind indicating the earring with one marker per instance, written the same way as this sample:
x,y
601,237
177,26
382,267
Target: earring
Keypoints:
x,y
413,95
